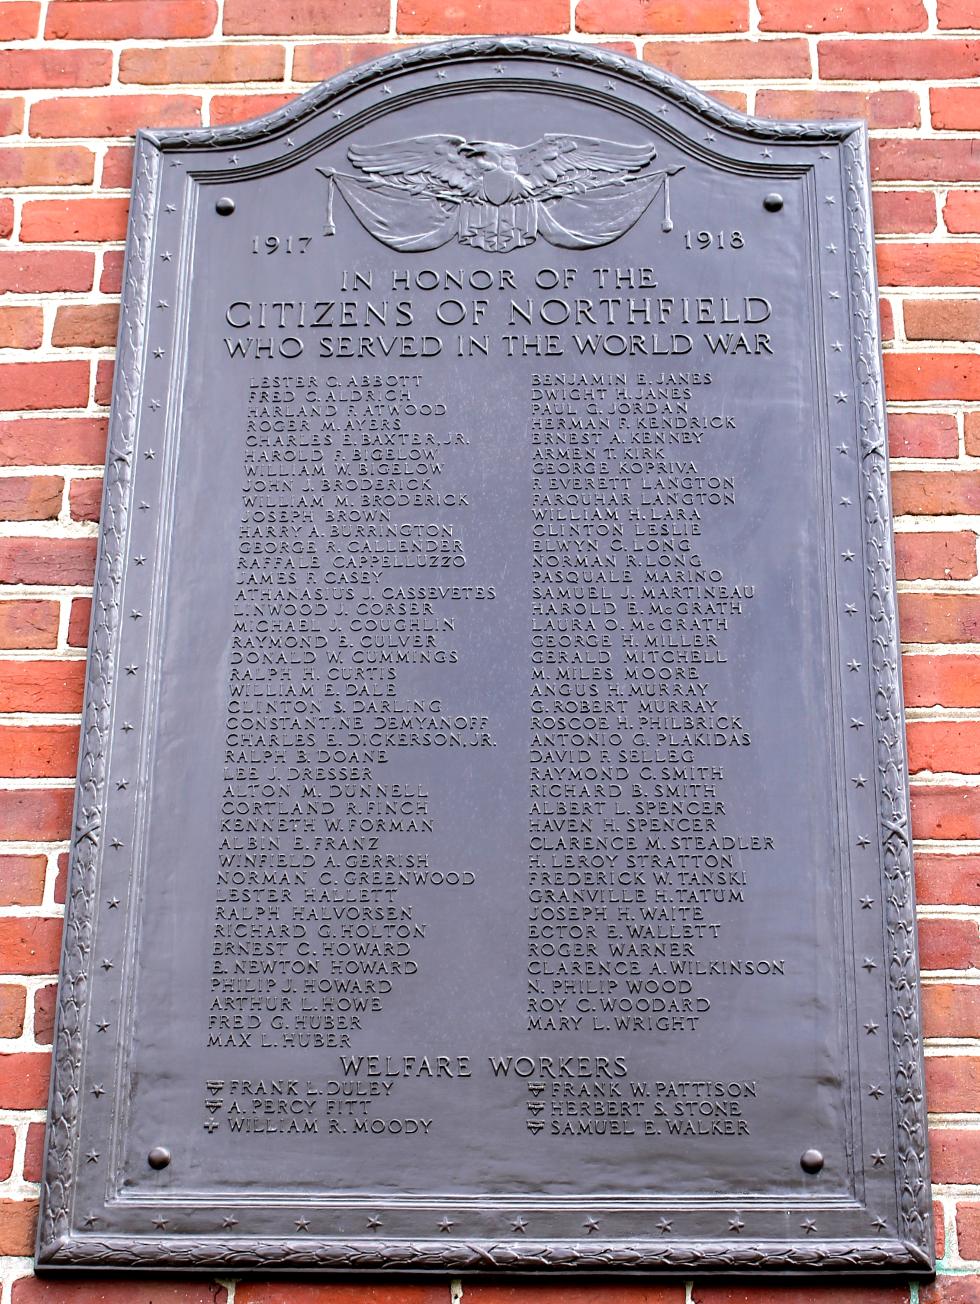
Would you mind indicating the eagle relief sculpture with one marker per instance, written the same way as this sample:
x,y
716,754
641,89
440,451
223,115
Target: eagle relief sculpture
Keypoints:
x,y
575,191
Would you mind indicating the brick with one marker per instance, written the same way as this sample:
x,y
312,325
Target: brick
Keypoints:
x,y
61,879
645,16
34,1152
7,1143
922,434
21,328
32,686
45,1005
958,13
968,1229
731,60
11,115
942,319
46,165
6,218
902,159
29,385
38,751
941,680
85,498
947,880
18,1222
882,109
28,624
34,69
116,20
318,18
30,497
167,66
267,1292
19,20
103,382
899,60
313,63
734,99
886,320
53,441
78,622
904,212
86,325
843,16
961,212
110,282
96,219
112,115
618,47
927,376
239,108
30,946
951,1290
24,1080
945,812
117,168
939,617
952,1084
546,1293
47,561
13,1005
933,555
948,944
951,1010
955,108
22,880
936,493
739,1293
102,1290
25,271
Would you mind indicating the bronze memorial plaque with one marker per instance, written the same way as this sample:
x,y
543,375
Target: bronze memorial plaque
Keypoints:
x,y
491,849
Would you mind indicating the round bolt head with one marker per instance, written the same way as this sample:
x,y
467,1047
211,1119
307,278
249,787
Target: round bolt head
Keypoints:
x,y
159,1157
772,203
811,1161
225,206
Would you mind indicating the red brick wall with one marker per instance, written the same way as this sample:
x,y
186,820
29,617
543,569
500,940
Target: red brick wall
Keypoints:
x,y
78,76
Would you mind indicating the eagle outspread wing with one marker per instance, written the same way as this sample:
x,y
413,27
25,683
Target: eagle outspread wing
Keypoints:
x,y
430,165
557,163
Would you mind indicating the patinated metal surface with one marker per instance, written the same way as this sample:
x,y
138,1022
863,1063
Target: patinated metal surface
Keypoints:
x,y
491,848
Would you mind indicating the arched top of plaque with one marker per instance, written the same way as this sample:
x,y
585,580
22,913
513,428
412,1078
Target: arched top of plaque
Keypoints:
x,y
501,143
